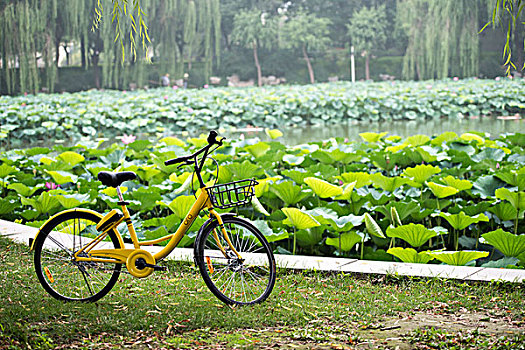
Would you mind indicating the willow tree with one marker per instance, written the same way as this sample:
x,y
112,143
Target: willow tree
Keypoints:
x,y
253,29
27,29
179,31
442,38
306,32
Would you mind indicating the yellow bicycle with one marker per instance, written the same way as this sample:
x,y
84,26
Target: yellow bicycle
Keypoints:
x,y
79,253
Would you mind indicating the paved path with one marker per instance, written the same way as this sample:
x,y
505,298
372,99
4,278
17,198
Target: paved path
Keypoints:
x,y
22,234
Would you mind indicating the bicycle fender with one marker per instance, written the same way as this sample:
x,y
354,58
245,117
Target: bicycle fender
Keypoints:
x,y
205,225
48,223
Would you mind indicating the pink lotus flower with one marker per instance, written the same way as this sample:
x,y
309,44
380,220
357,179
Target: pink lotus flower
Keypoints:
x,y
51,186
206,86
165,97
497,165
497,78
25,93
455,79
190,110
23,104
127,139
175,87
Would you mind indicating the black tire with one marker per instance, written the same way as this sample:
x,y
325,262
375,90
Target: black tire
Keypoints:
x,y
61,276
232,280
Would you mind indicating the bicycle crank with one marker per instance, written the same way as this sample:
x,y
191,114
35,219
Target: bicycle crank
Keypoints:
x,y
140,263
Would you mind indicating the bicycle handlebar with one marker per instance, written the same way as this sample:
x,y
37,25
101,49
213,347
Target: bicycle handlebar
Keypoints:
x,y
212,140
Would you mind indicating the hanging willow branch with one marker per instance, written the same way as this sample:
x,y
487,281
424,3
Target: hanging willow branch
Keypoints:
x,y
135,14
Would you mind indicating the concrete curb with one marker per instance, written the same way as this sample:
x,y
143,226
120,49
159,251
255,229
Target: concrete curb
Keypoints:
x,y
22,234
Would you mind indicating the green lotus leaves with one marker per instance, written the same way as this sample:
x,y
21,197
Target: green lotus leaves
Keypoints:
x,y
288,192
244,170
45,203
414,234
71,158
346,241
441,191
180,206
372,137
486,186
258,206
23,190
299,219
460,185
361,179
399,211
512,178
273,133
172,141
387,183
62,177
297,175
517,199
444,137
259,149
293,160
69,201
409,255
507,243
421,173
372,227
322,188
472,137
461,221
268,233
6,170
458,258
347,192
417,140
504,211
7,205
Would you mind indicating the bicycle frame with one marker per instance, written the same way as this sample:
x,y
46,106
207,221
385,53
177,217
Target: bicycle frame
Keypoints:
x,y
121,255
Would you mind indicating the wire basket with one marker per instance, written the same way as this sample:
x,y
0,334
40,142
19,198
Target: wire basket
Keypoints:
x,y
232,194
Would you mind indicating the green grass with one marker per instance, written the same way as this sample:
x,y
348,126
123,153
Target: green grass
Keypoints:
x,y
310,309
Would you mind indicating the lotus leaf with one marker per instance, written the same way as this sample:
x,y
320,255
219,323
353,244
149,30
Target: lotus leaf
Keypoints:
x,y
172,141
472,137
387,183
62,177
441,191
396,220
402,210
372,227
244,170
259,149
372,136
502,263
460,185
517,199
297,175
293,160
23,190
414,234
421,173
489,153
458,258
6,170
180,206
309,238
7,205
69,201
504,211
462,148
268,233
444,137
288,192
512,178
417,140
45,203
299,219
112,192
346,241
347,191
507,243
486,186
148,198
71,158
409,255
273,133
322,188
258,206
461,220
264,185
361,179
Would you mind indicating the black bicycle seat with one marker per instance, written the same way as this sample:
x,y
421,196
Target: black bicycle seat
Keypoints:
x,y
115,179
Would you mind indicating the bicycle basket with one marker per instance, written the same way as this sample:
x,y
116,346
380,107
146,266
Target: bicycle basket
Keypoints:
x,y
232,194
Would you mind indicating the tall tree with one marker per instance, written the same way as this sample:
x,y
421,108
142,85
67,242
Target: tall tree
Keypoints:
x,y
367,32
442,38
306,32
254,29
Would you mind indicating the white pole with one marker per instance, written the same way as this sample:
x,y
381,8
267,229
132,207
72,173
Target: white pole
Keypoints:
x,y
352,63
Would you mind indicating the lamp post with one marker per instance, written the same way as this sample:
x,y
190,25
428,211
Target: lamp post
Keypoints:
x,y
352,63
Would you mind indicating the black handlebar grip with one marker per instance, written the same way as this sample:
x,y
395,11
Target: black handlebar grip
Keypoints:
x,y
212,137
175,160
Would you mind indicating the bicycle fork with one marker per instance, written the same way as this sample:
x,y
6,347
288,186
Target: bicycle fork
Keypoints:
x,y
225,235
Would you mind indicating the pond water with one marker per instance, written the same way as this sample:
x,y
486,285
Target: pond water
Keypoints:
x,y
297,135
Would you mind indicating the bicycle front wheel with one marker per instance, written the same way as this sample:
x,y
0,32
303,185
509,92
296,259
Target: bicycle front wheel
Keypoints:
x,y
58,271
243,281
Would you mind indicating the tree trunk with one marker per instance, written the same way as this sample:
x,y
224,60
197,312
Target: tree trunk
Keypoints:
x,y
518,46
309,65
367,66
257,65
83,52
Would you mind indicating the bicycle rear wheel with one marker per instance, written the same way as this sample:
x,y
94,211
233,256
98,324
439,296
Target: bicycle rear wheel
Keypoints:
x,y
243,281
56,268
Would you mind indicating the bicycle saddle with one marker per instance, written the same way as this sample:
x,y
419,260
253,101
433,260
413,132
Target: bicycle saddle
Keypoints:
x,y
115,179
